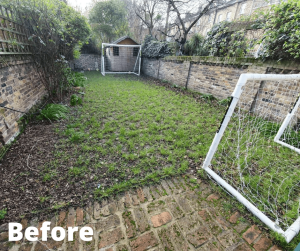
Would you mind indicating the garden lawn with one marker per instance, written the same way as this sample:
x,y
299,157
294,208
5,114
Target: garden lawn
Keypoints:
x,y
130,133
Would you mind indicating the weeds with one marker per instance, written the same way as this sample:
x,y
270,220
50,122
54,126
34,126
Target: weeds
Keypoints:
x,y
3,212
54,112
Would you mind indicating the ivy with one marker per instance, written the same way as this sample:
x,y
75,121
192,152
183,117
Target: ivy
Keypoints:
x,y
155,49
282,32
223,41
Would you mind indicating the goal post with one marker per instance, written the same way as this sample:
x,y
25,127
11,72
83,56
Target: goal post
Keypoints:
x,y
120,59
255,152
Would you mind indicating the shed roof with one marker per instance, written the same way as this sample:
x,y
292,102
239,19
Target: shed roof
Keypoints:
x,y
123,38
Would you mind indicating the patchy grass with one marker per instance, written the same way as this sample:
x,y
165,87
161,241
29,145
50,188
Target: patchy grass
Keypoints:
x,y
129,134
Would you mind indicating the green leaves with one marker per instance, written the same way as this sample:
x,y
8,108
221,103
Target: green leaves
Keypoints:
x,y
3,212
108,20
281,40
54,112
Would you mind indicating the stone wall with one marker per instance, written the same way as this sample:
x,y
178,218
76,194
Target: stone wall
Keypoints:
x,y
87,62
219,77
21,88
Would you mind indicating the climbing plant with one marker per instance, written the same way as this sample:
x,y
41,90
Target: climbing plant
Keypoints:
x,y
56,32
282,32
155,49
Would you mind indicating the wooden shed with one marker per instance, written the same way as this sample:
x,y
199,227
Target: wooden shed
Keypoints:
x,y
119,58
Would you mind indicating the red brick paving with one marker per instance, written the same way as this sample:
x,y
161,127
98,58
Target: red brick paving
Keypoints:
x,y
167,217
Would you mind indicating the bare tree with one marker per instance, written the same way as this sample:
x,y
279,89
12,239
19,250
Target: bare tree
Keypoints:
x,y
150,13
186,14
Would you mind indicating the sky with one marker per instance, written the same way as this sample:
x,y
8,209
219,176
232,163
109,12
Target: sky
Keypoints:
x,y
82,4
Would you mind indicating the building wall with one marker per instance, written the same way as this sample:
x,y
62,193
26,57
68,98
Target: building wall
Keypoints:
x,y
86,62
21,88
207,21
219,78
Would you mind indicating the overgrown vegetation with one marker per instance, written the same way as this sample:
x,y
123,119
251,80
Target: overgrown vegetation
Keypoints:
x,y
54,112
195,46
281,39
221,41
56,32
155,49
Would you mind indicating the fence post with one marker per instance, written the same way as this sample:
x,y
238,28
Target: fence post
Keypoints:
x,y
188,76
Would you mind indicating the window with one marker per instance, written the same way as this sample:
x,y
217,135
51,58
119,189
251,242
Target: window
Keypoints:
x,y
210,18
243,7
228,16
116,51
220,18
135,52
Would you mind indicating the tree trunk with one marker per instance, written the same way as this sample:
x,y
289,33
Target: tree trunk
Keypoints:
x,y
167,20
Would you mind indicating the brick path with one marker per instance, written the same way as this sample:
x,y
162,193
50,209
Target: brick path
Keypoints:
x,y
169,216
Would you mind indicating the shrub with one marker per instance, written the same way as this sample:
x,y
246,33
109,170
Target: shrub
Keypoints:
x,y
281,40
54,112
195,46
228,39
74,78
154,49
75,100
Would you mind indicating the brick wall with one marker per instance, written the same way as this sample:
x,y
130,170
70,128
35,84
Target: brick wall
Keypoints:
x,y
218,77
87,62
20,89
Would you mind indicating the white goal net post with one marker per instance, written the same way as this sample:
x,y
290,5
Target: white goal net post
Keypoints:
x,y
256,151
120,59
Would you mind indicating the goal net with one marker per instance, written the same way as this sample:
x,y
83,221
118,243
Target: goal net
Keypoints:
x,y
117,58
255,154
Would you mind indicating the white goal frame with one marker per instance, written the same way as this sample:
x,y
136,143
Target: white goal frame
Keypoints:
x,y
285,124
137,62
294,229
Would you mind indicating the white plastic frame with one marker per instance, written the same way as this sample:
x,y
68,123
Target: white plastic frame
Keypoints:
x,y
138,59
294,229
284,126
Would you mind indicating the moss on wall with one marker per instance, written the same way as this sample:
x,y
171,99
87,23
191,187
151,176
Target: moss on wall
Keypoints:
x,y
291,65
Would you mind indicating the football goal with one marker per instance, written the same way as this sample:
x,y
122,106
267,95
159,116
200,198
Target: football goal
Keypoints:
x,y
255,154
120,58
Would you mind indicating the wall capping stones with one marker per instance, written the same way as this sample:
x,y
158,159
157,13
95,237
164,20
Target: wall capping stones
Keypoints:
x,y
283,64
219,76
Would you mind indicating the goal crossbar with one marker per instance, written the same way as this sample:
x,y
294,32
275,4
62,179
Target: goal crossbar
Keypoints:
x,y
137,63
294,229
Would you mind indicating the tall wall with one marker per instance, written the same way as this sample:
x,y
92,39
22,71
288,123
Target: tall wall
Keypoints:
x,y
219,77
21,88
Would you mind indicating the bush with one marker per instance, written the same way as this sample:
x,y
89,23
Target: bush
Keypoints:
x,y
154,49
228,39
281,40
54,112
74,78
195,46
75,100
